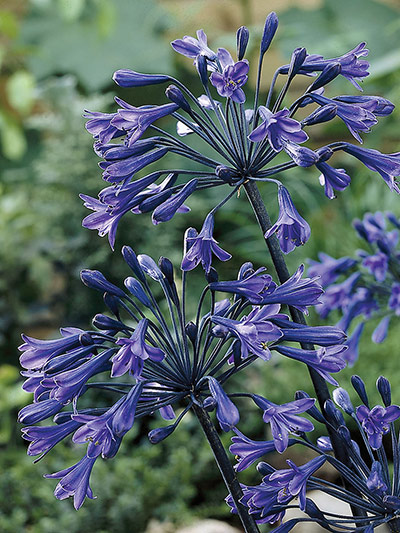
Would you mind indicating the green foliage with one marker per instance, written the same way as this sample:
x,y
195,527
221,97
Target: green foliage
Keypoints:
x,y
84,38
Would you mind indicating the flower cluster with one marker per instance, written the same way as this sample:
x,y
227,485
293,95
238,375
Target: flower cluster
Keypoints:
x,y
366,287
244,138
145,360
369,485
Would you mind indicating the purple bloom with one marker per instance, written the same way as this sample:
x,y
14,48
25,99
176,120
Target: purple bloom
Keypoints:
x,y
379,106
38,411
119,170
357,118
280,487
301,155
130,78
377,265
69,384
167,209
351,354
37,352
202,246
324,360
233,77
133,352
329,269
375,479
278,127
388,165
227,412
338,295
394,300
376,422
284,420
251,287
44,438
291,229
352,67
247,451
332,179
74,481
380,332
296,292
100,126
191,47
254,331
136,120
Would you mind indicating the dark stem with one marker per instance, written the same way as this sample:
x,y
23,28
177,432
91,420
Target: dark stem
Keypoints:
x,y
319,384
226,469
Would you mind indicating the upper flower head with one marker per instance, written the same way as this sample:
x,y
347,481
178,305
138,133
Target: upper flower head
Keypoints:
x,y
191,47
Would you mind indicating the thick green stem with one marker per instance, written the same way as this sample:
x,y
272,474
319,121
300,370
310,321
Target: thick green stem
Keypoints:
x,y
226,469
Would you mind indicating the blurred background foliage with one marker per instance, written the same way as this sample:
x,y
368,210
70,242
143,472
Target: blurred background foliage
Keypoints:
x,y
57,58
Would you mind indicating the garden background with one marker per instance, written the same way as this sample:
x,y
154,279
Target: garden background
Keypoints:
x,y
57,58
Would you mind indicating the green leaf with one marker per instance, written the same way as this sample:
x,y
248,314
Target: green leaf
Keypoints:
x,y
106,36
12,137
20,88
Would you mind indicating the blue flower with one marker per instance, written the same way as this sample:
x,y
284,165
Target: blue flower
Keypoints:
x,y
329,269
191,47
377,265
201,247
278,127
227,412
394,300
251,287
74,481
133,352
254,331
130,78
332,179
376,422
284,419
388,165
357,118
233,76
247,451
136,120
44,438
291,229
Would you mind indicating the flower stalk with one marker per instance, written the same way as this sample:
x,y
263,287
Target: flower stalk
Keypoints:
x,y
226,469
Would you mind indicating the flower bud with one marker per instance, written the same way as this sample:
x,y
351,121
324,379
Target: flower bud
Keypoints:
x,y
226,174
112,303
191,331
384,390
359,387
209,404
175,95
323,114
329,73
135,288
342,399
264,468
130,78
95,280
201,65
212,275
167,269
270,27
159,434
333,415
154,201
298,57
242,38
149,266
104,322
131,260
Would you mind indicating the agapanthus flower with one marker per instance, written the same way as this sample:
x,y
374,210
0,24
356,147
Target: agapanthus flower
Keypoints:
x,y
277,127
201,247
364,288
284,419
291,229
166,362
241,143
369,484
